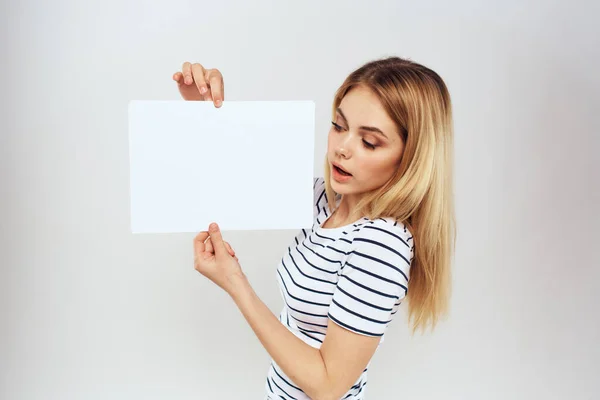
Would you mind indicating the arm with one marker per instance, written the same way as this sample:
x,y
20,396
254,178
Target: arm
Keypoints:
x,y
372,283
322,374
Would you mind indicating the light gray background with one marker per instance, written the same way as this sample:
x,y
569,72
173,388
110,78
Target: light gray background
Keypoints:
x,y
90,311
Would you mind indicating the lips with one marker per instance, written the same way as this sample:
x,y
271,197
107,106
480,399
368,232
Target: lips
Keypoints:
x,y
340,167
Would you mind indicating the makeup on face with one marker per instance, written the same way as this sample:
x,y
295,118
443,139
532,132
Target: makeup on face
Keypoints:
x,y
339,175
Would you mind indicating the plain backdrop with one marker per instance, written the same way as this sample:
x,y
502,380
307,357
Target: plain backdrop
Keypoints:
x,y
90,311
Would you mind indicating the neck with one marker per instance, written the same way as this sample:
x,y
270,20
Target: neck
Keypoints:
x,y
347,207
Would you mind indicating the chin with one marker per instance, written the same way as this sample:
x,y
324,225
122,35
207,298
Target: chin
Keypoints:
x,y
340,188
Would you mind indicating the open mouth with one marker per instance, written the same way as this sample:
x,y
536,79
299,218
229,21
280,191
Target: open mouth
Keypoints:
x,y
341,171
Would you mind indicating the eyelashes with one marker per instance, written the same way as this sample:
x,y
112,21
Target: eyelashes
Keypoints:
x,y
338,128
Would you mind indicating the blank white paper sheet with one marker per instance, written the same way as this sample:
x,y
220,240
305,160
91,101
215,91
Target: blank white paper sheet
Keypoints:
x,y
246,166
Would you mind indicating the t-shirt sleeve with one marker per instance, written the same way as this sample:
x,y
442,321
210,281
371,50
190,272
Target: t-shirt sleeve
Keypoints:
x,y
373,280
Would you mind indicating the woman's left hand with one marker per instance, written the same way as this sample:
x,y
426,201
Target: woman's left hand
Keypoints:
x,y
215,259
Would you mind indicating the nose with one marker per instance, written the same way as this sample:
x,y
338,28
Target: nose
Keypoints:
x,y
343,146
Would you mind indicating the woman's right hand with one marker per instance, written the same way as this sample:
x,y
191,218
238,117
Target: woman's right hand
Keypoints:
x,y
198,83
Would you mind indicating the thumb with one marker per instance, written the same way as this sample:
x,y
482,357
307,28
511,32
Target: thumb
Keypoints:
x,y
217,239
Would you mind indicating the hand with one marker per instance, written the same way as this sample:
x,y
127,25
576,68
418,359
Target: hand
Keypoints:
x,y
197,83
216,259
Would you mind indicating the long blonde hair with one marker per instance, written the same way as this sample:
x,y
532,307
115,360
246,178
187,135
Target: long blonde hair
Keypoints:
x,y
420,194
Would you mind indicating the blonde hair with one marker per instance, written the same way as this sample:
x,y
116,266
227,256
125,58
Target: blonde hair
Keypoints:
x,y
420,194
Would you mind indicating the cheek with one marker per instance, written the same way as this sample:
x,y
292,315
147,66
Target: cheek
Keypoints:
x,y
376,167
330,140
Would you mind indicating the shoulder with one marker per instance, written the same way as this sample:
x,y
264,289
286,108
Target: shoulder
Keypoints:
x,y
319,195
318,185
385,228
385,242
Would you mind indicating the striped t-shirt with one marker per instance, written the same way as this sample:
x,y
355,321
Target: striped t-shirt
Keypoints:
x,y
355,275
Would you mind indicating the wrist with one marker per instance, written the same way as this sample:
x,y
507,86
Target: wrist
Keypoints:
x,y
237,285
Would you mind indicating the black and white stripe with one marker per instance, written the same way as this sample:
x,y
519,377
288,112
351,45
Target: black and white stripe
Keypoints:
x,y
356,276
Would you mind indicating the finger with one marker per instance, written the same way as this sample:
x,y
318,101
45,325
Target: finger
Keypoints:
x,y
186,70
229,249
217,239
215,78
198,74
178,77
209,248
199,246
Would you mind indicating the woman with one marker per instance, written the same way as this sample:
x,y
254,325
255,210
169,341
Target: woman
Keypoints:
x,y
384,231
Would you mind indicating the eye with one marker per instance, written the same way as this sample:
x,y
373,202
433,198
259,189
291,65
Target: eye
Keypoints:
x,y
369,145
336,126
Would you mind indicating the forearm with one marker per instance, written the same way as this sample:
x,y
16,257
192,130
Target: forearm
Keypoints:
x,y
302,363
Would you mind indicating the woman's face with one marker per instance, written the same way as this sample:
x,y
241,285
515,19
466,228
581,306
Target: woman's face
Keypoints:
x,y
364,140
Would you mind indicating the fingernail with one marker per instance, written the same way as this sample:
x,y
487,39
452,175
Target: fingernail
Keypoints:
x,y
188,80
218,103
213,226
202,90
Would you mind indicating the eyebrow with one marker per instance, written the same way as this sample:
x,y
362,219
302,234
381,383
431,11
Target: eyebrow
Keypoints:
x,y
365,128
